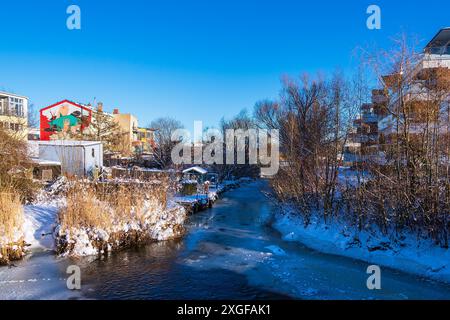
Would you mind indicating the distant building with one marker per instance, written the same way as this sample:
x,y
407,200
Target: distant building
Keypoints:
x,y
138,140
363,141
34,134
146,138
64,118
129,125
14,114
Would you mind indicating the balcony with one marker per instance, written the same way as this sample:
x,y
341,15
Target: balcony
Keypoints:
x,y
438,51
370,118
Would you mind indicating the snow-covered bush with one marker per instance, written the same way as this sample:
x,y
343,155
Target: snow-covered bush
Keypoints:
x,y
98,218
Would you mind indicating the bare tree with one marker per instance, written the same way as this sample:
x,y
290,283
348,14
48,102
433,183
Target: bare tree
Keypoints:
x,y
104,128
33,116
164,127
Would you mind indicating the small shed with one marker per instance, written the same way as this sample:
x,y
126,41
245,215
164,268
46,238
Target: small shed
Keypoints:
x,y
45,170
195,174
77,158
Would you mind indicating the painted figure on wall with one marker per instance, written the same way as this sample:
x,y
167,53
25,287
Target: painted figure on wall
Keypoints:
x,y
65,117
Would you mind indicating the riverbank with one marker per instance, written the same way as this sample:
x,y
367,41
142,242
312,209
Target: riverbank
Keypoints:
x,y
78,218
406,253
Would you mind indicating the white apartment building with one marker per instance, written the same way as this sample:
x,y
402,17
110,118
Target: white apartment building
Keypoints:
x,y
436,56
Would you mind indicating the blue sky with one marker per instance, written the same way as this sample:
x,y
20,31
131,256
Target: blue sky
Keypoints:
x,y
192,60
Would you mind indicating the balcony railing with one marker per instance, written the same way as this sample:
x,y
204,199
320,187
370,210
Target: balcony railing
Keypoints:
x,y
439,50
370,117
11,113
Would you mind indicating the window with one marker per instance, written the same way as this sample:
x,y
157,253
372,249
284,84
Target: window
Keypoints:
x,y
16,106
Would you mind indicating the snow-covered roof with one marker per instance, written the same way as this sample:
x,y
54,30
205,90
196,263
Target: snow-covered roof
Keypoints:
x,y
68,143
43,162
196,169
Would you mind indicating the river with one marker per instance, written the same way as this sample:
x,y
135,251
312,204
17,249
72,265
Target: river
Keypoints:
x,y
229,252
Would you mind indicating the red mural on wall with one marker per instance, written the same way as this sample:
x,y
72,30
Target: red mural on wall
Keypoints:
x,y
64,116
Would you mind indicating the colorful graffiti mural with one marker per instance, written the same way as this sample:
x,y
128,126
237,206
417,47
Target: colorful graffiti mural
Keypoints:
x,y
64,117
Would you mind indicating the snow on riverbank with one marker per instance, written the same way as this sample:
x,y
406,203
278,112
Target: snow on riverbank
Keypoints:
x,y
40,228
153,223
40,216
421,258
40,220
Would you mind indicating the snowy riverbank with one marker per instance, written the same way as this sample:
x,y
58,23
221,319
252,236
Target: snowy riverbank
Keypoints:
x,y
422,258
42,229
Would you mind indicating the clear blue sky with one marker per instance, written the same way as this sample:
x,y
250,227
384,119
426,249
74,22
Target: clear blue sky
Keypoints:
x,y
192,60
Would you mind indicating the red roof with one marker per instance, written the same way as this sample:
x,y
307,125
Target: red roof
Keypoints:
x,y
66,101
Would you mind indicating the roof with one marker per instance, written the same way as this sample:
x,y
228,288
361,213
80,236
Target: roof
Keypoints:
x,y
441,39
3,93
69,143
43,162
196,169
69,102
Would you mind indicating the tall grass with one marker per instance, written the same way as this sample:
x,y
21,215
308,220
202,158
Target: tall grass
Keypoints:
x,y
105,206
15,166
11,222
11,215
84,210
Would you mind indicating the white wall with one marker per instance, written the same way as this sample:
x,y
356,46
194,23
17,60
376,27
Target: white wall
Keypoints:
x,y
75,159
93,157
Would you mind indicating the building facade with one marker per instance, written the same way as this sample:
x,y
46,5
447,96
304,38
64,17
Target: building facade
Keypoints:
x,y
140,141
64,117
421,93
381,121
14,114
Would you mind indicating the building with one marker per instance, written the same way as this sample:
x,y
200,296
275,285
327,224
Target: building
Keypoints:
x,y
376,128
62,118
140,141
14,114
363,139
76,158
34,134
129,126
420,92
146,139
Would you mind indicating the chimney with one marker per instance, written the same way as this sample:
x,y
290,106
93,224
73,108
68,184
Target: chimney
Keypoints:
x,y
116,111
100,107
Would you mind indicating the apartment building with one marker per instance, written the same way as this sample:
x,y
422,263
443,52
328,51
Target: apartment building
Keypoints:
x,y
128,124
421,92
14,114
364,137
146,138
378,123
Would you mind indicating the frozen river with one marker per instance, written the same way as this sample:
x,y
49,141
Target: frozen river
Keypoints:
x,y
230,252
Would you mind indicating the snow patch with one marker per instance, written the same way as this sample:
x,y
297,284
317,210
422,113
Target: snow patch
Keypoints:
x,y
419,257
